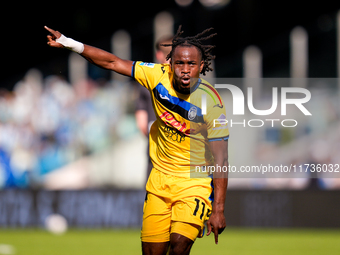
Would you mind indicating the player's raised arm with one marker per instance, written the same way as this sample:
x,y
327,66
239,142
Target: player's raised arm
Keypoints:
x,y
94,55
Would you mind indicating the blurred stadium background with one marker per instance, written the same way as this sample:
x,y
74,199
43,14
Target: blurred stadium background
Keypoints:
x,y
69,143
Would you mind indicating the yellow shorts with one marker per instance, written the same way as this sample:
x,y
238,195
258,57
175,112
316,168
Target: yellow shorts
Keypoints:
x,y
175,205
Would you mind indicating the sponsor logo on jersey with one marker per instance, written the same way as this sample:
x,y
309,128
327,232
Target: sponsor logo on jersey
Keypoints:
x,y
169,119
151,65
222,120
174,134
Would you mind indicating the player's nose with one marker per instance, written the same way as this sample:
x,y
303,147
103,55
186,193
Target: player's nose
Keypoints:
x,y
186,68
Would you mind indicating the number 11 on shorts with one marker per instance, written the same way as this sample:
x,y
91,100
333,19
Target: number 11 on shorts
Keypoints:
x,y
197,207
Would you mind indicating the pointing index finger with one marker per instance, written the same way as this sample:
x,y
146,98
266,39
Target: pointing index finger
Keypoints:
x,y
216,235
49,30
56,34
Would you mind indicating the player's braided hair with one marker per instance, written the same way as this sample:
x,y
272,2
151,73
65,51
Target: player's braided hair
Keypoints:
x,y
194,41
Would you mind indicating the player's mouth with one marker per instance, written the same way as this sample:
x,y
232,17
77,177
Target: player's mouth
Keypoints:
x,y
185,80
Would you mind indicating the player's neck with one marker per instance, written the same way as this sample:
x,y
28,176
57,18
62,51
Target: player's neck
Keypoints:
x,y
180,90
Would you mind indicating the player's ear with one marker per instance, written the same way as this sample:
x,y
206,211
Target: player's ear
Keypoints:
x,y
201,65
170,62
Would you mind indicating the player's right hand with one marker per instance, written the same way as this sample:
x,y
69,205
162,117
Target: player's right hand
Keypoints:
x,y
216,224
53,37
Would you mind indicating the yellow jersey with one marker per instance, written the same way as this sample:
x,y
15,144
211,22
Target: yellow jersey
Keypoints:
x,y
179,138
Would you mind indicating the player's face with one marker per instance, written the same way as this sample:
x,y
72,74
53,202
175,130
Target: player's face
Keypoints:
x,y
186,63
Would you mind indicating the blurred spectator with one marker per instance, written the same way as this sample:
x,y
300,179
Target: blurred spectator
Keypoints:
x,y
46,124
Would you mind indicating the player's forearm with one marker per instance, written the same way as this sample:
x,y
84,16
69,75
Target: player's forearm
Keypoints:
x,y
99,57
220,178
220,181
107,60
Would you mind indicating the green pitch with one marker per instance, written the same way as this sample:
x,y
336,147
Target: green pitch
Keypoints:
x,y
232,241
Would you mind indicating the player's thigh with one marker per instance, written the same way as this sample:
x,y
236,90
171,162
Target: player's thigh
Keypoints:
x,y
155,248
179,244
156,220
182,237
188,230
194,211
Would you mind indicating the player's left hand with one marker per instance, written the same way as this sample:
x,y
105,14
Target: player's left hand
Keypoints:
x,y
216,224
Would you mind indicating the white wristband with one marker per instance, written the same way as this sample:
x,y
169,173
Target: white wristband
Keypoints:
x,y
71,44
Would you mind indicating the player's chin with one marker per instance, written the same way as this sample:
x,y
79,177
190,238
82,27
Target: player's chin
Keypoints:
x,y
185,87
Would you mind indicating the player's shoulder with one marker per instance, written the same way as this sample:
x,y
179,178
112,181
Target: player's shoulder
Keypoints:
x,y
145,64
154,67
204,87
150,74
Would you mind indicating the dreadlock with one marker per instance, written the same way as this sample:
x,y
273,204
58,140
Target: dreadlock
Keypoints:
x,y
194,41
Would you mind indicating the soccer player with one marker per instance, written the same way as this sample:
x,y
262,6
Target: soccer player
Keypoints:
x,y
189,134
